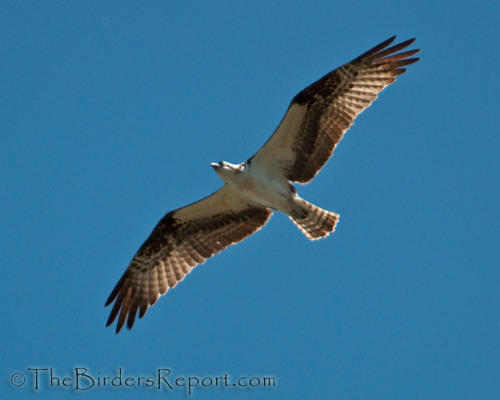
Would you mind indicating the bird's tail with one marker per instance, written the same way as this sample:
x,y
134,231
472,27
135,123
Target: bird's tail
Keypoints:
x,y
315,222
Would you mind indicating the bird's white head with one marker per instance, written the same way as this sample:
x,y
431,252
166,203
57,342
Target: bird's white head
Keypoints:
x,y
226,171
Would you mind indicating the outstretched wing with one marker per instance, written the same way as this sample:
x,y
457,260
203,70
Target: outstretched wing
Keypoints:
x,y
320,114
182,239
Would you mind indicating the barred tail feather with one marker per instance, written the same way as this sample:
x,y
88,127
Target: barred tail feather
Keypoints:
x,y
317,223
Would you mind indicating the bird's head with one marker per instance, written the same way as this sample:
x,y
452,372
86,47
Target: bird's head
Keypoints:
x,y
227,171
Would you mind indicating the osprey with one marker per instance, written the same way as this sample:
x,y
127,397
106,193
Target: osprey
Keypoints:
x,y
314,123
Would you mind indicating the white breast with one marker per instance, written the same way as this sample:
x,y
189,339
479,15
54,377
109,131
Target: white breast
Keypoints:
x,y
264,188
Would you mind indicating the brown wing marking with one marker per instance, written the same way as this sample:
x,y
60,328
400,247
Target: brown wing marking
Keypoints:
x,y
178,244
320,114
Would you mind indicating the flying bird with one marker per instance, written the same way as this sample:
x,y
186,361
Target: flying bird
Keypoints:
x,y
314,123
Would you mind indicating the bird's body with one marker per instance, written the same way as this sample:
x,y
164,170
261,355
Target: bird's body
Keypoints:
x,y
261,185
314,123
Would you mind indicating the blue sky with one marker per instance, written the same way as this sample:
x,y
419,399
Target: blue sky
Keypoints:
x,y
110,115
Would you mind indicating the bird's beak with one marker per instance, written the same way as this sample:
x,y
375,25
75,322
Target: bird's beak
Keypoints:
x,y
215,165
